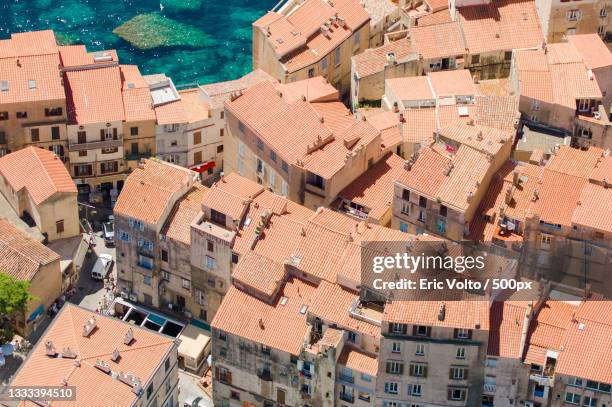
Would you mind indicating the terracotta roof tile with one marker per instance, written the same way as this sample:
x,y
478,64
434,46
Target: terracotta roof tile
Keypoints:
x,y
358,361
383,120
593,50
438,41
373,60
137,100
184,212
29,43
171,113
558,197
278,326
575,162
603,171
142,357
21,256
94,95
547,329
427,174
458,314
595,201
410,88
219,92
374,188
452,83
194,105
77,56
38,171
501,25
150,189
315,89
259,273
507,320
435,18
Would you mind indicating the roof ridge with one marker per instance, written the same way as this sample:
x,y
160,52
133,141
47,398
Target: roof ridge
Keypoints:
x,y
36,153
11,247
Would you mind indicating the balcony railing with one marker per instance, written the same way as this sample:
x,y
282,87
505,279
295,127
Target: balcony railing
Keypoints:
x,y
94,145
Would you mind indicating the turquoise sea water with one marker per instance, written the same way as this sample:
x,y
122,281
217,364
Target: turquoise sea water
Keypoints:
x,y
208,41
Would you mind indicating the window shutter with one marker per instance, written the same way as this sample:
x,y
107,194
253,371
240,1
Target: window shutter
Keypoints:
x,y
428,331
102,134
411,371
456,333
386,387
401,368
388,367
424,371
469,334
114,133
414,330
465,374
451,373
217,372
229,377
449,394
404,329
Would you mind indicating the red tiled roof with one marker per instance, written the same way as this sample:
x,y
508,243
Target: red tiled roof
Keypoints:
x,y
358,361
137,101
38,171
185,210
502,25
458,314
438,41
278,326
259,273
143,357
94,95
593,50
507,320
547,330
594,203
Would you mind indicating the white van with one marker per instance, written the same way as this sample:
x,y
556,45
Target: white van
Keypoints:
x,y
102,266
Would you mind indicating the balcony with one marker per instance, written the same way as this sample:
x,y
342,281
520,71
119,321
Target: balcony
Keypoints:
x,y
348,397
138,156
94,145
346,378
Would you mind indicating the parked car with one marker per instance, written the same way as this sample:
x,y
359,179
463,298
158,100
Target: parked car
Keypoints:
x,y
102,266
193,402
109,233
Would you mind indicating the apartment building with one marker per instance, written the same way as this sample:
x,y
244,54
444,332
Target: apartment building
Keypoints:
x,y
32,99
299,140
26,259
39,190
444,183
560,19
139,124
300,40
300,334
106,360
580,107
146,201
432,353
552,212
479,36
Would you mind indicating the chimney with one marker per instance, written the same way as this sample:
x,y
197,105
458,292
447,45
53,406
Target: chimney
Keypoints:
x,y
401,118
89,326
50,349
129,337
261,324
470,196
441,312
515,178
509,193
116,355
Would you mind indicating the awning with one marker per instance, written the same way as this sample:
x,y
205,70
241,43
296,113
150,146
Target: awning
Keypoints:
x,y
39,310
204,167
194,341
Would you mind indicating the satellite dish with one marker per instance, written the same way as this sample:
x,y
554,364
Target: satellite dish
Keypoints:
x,y
7,349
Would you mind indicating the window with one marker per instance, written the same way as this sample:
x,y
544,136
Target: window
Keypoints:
x,y
133,131
197,157
507,55
260,144
403,226
415,390
59,226
146,263
406,194
284,188
315,180
81,137
572,398
285,166
603,12
210,246
53,111
575,381
217,217
171,128
460,353
197,137
422,330
2,137
241,127
55,133
210,263
110,150
35,134
395,367
396,347
145,244
458,373
475,59
601,29
22,115
219,149
146,280
443,210
352,337
83,170
234,258
356,38
235,395
149,391
418,370
311,72
185,283
398,328
366,377
4,115
165,275
420,349
221,132
164,255
337,56
324,64
456,394
223,336
109,167
391,387
124,236
422,202
272,156
545,241
462,333
167,365
589,401
573,15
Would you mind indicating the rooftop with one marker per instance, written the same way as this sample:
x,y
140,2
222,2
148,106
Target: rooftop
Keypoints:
x,y
141,357
458,314
37,171
21,256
